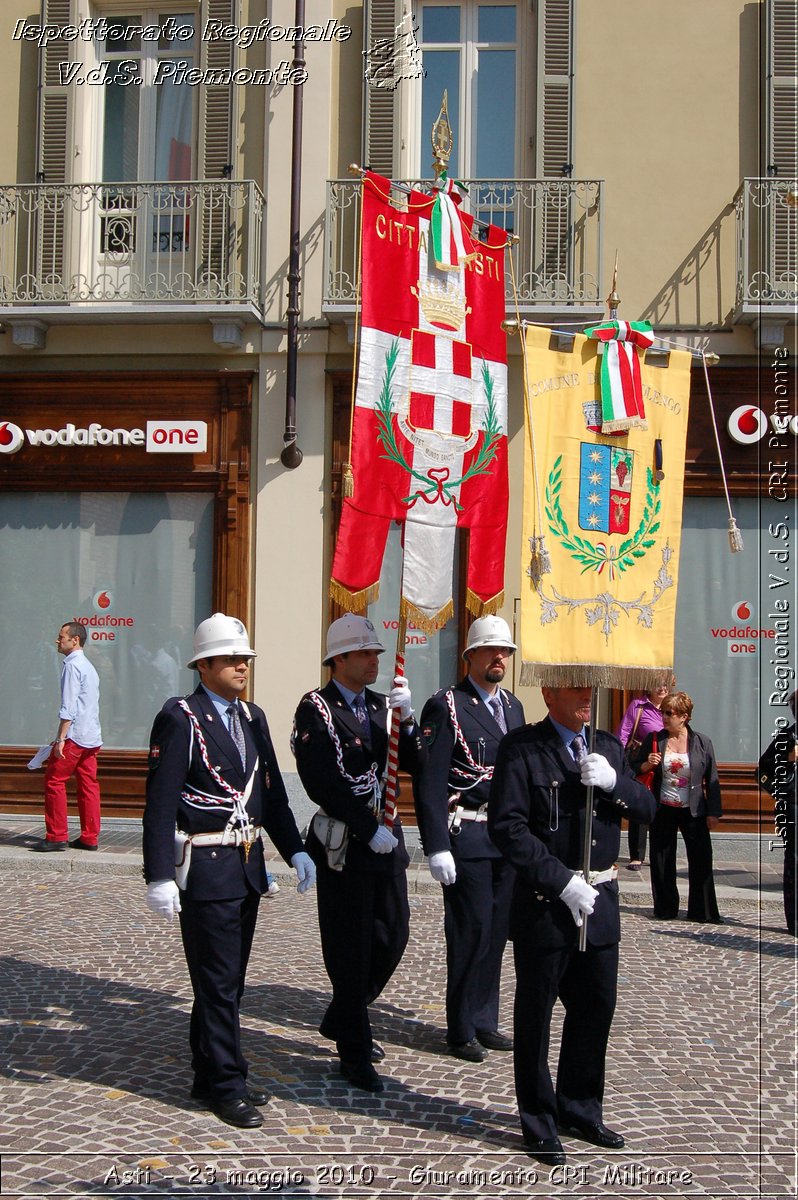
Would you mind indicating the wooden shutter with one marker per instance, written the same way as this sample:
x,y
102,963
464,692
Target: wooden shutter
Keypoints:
x,y
54,134
379,24
215,148
555,87
781,112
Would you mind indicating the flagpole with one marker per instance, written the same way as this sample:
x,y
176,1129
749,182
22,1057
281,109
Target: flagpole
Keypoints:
x,y
392,787
587,841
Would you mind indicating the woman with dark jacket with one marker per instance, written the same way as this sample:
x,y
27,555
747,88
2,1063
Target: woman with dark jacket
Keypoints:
x,y
688,802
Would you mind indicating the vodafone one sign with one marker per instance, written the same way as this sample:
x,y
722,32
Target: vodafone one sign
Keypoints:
x,y
160,437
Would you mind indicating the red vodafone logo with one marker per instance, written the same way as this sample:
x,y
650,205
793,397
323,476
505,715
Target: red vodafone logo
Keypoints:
x,y
747,424
11,437
102,600
741,611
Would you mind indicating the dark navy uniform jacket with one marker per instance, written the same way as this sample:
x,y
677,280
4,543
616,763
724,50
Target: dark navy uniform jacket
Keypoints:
x,y
536,818
176,766
446,759
325,785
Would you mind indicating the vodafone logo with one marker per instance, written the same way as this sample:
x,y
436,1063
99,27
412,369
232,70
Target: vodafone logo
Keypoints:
x,y
102,601
747,424
160,437
741,611
11,437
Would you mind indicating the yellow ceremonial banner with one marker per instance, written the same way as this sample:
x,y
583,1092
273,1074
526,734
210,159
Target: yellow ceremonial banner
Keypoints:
x,y
609,508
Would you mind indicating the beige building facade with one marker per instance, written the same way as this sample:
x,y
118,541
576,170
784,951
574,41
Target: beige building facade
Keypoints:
x,y
145,224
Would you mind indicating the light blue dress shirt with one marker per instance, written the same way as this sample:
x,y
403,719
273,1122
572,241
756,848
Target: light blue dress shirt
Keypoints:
x,y
80,700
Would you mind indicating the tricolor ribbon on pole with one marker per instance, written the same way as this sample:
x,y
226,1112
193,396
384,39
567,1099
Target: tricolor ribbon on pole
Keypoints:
x,y
447,230
622,405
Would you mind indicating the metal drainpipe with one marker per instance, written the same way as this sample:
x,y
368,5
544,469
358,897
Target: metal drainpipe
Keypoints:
x,y
291,456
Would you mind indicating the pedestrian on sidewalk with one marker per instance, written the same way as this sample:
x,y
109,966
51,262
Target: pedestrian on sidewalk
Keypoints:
x,y
341,745
642,717
213,788
75,749
687,790
462,728
536,816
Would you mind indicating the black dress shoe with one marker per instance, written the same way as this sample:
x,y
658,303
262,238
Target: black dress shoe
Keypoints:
x,y
548,1150
237,1112
45,847
595,1133
468,1051
493,1040
377,1052
79,844
362,1075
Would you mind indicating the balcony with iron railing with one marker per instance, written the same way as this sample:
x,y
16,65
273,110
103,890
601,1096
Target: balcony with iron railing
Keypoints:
x,y
555,267
767,252
121,251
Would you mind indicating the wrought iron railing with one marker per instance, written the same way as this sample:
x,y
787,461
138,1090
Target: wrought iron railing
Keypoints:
x,y
110,243
767,243
556,261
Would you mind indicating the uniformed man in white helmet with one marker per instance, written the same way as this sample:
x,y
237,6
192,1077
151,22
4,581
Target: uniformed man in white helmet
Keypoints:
x,y
462,728
213,788
341,746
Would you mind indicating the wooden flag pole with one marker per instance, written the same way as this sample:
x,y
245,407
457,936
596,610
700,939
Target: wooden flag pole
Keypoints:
x,y
587,841
392,786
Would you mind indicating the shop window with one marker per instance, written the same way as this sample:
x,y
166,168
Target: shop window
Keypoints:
x,y
735,649
136,567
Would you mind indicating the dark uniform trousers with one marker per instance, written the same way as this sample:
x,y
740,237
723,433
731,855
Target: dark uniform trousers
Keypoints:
x,y
539,828
477,905
219,906
363,909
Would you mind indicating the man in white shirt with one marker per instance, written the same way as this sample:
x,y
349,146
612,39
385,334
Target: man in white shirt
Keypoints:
x,y
75,748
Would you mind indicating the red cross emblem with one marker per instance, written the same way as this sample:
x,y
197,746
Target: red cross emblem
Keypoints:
x,y
440,384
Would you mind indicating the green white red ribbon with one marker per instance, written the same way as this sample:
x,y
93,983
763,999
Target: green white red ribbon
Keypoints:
x,y
446,226
622,405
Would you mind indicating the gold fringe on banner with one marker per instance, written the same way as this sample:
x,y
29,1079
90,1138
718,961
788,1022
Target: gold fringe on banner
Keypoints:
x,y
636,679
348,481
482,608
422,619
354,602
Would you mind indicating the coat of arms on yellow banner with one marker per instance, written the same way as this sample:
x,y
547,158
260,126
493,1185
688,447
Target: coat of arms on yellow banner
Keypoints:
x,y
609,507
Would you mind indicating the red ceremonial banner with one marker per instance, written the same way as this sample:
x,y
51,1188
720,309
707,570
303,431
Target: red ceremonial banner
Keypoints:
x,y
429,434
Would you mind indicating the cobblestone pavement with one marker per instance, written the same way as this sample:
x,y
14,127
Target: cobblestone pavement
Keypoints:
x,y
700,1075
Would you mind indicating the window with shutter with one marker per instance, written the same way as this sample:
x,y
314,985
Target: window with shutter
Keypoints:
x,y
54,136
781,114
553,246
381,19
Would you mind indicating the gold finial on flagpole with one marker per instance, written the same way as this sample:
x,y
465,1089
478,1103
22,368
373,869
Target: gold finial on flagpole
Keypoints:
x,y
614,300
442,139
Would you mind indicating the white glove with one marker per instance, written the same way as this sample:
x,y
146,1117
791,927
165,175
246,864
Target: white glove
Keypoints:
x,y
399,698
383,841
305,869
598,772
579,896
163,897
442,868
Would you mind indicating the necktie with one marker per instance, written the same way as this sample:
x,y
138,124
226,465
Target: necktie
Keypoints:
x,y
361,712
498,712
579,749
237,733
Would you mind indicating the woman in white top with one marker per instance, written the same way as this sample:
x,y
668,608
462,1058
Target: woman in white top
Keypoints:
x,y
688,802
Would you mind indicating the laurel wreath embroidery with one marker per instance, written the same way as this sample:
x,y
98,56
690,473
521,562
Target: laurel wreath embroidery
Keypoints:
x,y
596,556
436,482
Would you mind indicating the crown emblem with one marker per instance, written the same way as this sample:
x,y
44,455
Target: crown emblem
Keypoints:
x,y
443,305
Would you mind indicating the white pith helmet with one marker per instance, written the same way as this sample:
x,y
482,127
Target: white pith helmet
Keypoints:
x,y
220,634
489,631
348,633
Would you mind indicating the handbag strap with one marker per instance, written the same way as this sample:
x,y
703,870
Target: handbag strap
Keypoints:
x,y
631,736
